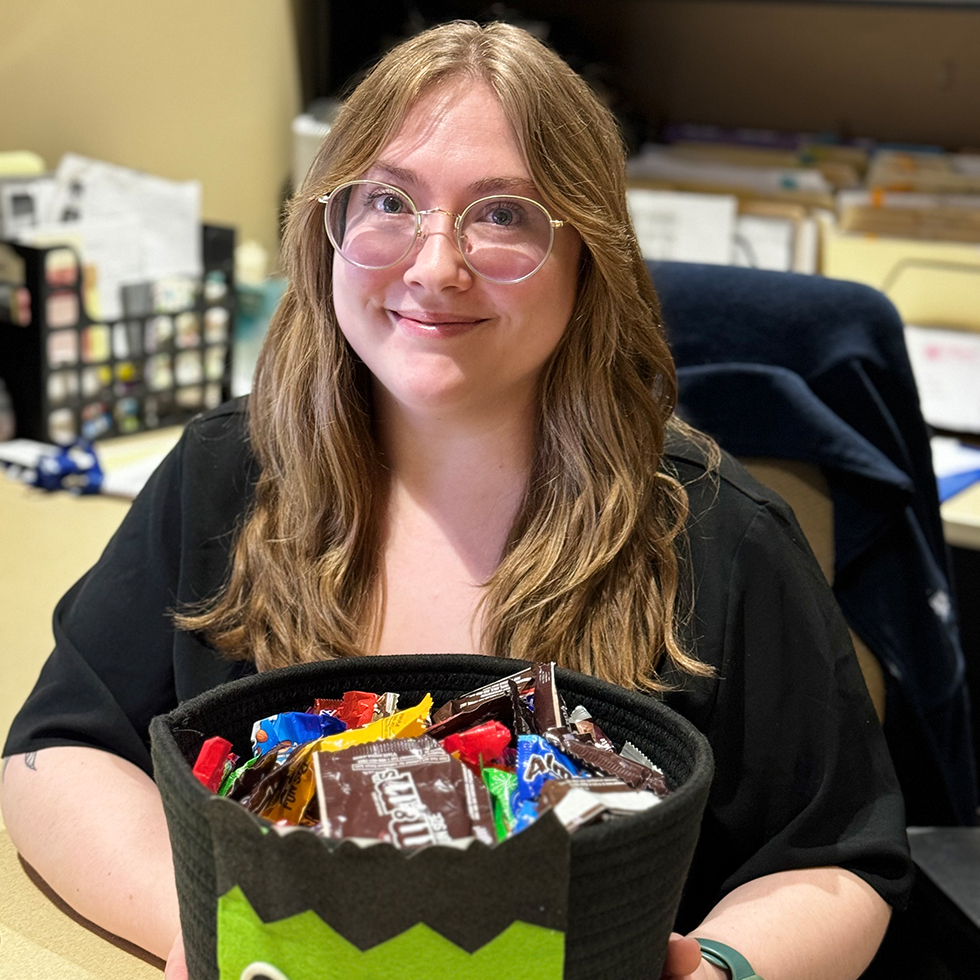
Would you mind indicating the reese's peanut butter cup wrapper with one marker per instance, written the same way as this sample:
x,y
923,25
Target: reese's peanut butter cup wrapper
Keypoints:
x,y
408,792
296,787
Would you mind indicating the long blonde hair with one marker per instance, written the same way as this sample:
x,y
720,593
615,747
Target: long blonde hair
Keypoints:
x,y
589,575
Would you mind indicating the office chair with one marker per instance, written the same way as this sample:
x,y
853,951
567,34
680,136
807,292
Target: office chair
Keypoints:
x,y
807,380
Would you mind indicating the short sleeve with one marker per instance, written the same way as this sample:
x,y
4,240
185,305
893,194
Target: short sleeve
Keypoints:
x,y
111,669
118,658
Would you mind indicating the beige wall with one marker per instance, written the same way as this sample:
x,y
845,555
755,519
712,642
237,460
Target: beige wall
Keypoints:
x,y
202,89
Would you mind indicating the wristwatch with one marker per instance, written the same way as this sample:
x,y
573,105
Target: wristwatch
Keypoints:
x,y
718,954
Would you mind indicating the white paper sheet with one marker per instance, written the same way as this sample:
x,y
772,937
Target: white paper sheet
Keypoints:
x,y
765,243
946,365
684,227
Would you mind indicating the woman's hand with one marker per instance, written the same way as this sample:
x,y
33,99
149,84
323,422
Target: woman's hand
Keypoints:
x,y
176,964
683,958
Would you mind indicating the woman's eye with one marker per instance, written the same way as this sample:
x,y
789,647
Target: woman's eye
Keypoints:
x,y
262,971
388,203
503,214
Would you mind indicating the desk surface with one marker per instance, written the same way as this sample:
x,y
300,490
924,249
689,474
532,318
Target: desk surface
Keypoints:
x,y
41,937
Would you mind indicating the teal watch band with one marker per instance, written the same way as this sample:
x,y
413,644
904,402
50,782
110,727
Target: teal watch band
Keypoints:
x,y
729,959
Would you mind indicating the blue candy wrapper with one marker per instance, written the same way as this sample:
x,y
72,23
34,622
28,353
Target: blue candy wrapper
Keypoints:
x,y
537,762
290,728
525,814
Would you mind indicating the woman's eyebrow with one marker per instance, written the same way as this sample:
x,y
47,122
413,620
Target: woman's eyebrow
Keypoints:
x,y
400,174
490,185
485,185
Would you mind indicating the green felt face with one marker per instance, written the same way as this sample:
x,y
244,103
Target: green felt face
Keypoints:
x,y
304,947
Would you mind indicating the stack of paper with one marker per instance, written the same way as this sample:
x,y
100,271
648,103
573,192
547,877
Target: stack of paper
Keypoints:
x,y
719,229
129,227
946,365
925,172
664,167
900,214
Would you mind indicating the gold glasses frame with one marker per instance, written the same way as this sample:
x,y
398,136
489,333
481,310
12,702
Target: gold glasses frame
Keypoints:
x,y
458,217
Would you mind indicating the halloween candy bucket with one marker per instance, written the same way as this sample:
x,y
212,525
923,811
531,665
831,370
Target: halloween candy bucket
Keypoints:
x,y
258,902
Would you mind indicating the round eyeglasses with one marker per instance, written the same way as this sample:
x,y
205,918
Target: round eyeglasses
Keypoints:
x,y
502,239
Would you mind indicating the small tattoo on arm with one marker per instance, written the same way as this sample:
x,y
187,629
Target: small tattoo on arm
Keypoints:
x,y
30,760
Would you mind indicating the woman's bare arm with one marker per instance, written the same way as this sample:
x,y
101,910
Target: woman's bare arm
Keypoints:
x,y
92,825
809,924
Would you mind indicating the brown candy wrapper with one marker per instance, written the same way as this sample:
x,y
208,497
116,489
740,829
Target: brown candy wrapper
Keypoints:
x,y
584,724
554,790
524,679
601,760
548,716
408,792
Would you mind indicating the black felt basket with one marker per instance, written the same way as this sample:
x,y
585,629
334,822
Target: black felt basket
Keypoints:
x,y
625,876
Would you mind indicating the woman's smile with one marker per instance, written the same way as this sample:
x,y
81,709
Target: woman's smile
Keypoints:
x,y
427,323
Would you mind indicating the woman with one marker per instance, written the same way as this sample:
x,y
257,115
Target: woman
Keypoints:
x,y
461,439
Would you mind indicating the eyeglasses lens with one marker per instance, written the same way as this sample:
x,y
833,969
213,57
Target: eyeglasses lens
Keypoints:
x,y
371,225
505,239
502,239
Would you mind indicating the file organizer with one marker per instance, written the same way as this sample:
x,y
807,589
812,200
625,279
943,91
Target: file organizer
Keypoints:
x,y
70,375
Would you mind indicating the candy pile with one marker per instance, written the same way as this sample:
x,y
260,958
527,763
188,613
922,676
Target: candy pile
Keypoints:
x,y
484,766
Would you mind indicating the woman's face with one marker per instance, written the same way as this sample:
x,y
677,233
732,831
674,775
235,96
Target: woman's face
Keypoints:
x,y
437,338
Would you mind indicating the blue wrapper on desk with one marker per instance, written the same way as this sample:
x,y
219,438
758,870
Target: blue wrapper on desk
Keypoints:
x,y
74,467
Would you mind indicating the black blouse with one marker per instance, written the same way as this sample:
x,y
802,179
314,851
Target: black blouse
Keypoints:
x,y
803,777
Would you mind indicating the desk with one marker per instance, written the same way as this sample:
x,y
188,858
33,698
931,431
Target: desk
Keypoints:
x,y
41,937
961,518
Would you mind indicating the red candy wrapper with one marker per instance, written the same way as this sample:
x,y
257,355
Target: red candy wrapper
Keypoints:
x,y
479,746
212,762
355,709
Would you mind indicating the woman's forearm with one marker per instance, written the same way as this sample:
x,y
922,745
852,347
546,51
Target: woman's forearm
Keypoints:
x,y
809,924
92,825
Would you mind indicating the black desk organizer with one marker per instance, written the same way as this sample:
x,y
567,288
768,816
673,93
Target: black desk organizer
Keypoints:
x,y
69,375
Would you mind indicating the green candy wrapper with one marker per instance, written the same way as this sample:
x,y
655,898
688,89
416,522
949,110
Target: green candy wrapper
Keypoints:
x,y
501,784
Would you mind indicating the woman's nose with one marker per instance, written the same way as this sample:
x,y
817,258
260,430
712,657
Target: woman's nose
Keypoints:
x,y
436,262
